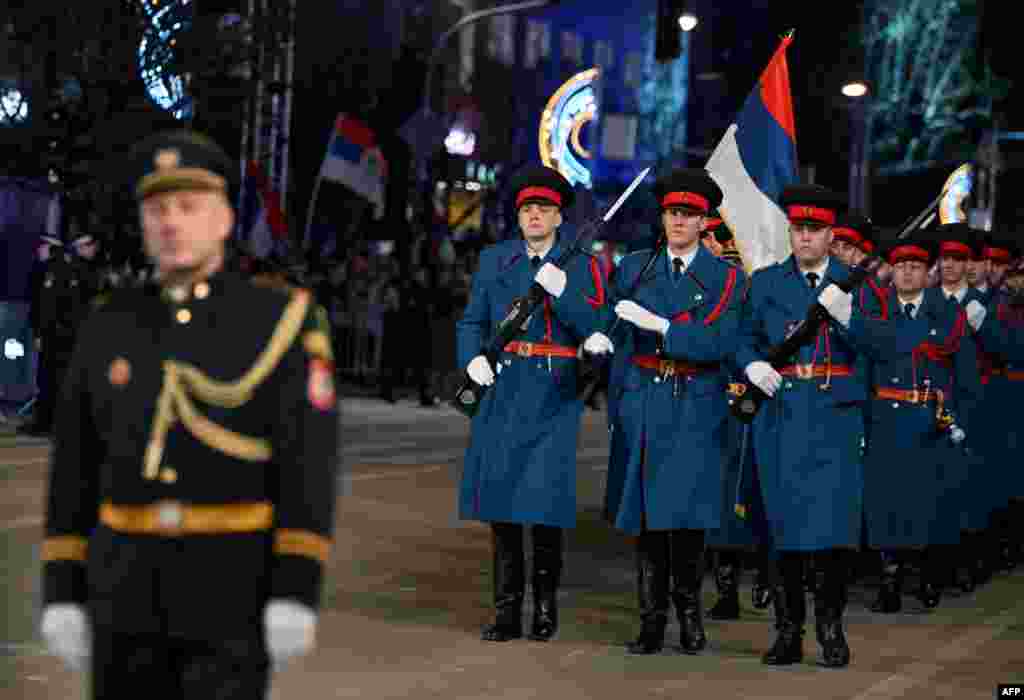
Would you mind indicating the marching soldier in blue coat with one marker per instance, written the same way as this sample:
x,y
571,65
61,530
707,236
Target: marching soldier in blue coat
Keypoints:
x,y
191,491
670,424
999,327
957,245
807,437
737,538
924,372
520,468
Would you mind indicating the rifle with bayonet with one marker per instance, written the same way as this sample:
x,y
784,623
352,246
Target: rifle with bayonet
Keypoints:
x,y
469,394
747,399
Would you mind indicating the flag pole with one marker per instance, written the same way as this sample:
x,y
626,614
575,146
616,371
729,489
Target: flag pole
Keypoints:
x,y
306,241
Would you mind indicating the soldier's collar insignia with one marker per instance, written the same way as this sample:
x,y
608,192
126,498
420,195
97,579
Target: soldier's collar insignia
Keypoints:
x,y
167,159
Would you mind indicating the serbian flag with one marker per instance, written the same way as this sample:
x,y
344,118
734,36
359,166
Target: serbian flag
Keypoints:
x,y
754,161
262,226
354,160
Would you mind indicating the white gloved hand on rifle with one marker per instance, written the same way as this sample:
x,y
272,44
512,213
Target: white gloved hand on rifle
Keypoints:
x,y
65,629
976,314
764,377
641,317
838,303
290,630
552,278
480,371
598,344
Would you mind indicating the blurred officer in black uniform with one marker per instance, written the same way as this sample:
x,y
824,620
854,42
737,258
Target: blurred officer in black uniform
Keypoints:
x,y
192,482
62,288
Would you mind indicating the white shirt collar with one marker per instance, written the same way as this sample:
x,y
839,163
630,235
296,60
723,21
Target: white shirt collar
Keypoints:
x,y
687,258
916,301
960,292
819,270
543,253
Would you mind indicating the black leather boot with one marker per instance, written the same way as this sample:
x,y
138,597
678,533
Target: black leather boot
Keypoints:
x,y
727,582
790,614
687,558
890,593
829,604
981,564
509,584
764,581
652,574
930,593
547,574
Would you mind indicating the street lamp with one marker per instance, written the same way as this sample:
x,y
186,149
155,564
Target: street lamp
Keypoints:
x,y
859,96
855,89
687,21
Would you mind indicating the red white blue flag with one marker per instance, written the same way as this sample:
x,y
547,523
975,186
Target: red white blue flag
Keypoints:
x,y
754,161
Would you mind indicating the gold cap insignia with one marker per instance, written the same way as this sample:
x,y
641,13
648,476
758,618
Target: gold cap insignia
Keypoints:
x,y
167,158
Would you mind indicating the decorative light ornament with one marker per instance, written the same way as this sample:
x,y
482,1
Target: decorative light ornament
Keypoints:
x,y
167,21
13,105
571,107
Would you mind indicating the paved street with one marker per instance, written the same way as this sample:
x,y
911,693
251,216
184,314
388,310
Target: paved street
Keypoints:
x,y
409,588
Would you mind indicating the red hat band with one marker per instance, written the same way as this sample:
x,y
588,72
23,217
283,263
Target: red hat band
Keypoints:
x,y
999,255
685,199
801,212
544,193
954,249
909,252
867,246
844,233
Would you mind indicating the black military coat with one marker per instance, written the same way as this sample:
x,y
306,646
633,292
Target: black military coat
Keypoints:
x,y
194,467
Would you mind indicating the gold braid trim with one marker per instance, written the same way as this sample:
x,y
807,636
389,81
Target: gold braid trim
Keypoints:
x,y
64,548
181,379
234,394
302,543
209,433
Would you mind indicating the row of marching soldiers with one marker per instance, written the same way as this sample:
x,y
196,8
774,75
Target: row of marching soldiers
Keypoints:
x,y
890,432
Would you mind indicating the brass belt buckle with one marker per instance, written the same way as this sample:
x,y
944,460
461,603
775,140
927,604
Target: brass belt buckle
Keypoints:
x,y
667,368
524,349
170,516
915,396
805,371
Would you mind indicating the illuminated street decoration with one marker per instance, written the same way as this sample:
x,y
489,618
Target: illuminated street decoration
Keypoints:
x,y
13,105
957,189
571,107
168,20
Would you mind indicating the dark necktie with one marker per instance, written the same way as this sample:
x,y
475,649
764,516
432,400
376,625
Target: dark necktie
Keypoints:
x,y
535,261
677,269
908,309
812,279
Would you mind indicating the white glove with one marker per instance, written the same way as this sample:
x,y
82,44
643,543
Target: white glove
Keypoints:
x,y
480,371
552,278
65,629
641,317
976,314
289,628
598,344
764,377
838,303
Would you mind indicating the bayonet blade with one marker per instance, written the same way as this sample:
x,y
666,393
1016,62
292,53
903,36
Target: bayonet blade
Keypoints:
x,y
625,195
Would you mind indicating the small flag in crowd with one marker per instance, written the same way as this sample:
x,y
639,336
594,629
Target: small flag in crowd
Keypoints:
x,y
353,159
262,226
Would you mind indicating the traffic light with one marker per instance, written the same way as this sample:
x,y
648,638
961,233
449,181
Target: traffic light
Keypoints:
x,y
667,46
